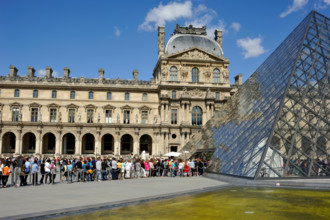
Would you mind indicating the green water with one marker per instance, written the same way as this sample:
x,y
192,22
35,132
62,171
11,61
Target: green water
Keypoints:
x,y
233,203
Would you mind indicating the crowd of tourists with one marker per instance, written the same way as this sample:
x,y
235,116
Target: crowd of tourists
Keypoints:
x,y
45,170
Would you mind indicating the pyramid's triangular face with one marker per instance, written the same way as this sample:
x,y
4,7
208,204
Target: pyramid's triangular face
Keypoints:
x,y
271,103
300,142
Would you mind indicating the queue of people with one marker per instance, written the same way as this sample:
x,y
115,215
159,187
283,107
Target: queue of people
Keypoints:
x,y
44,170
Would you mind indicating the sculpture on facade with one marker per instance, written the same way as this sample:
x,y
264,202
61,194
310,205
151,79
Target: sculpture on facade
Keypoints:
x,y
79,117
98,118
118,118
59,117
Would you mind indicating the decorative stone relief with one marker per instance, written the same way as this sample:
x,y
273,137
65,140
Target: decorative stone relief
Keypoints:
x,y
196,54
196,93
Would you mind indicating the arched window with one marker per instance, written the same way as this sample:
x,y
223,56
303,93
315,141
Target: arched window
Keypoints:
x,y
173,94
126,96
197,116
16,94
54,94
72,95
144,97
108,95
195,75
91,95
35,93
173,74
216,75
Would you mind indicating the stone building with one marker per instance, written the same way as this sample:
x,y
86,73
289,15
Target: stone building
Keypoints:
x,y
87,116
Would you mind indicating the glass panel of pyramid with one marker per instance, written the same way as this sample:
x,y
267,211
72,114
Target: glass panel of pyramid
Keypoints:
x,y
277,124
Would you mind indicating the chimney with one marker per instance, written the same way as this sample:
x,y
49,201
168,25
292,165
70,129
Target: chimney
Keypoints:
x,y
238,79
101,75
161,40
49,72
12,71
31,71
135,75
218,37
66,72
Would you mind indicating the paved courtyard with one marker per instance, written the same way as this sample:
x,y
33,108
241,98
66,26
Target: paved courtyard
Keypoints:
x,y
49,199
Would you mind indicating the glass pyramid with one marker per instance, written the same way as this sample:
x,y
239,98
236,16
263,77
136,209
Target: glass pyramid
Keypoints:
x,y
277,124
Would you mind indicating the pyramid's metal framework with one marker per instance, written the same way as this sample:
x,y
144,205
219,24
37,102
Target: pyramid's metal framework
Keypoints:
x,y
277,124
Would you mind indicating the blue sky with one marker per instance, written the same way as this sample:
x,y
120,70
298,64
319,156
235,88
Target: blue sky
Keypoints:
x,y
121,36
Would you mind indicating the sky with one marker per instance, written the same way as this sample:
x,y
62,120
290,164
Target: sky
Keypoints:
x,y
121,36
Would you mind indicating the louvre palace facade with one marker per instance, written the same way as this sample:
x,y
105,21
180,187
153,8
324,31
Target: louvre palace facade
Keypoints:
x,y
56,116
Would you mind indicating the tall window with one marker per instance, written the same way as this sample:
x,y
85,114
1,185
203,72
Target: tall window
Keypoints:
x,y
16,94
126,117
126,96
173,94
53,112
35,93
72,95
216,75
91,95
109,95
174,116
197,116
195,74
108,116
54,94
217,95
15,114
34,115
144,117
71,115
173,74
144,97
90,115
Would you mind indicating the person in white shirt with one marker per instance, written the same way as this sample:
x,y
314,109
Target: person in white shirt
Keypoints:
x,y
47,170
128,166
98,169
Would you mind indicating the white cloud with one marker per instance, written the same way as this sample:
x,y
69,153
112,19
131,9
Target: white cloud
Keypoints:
x,y
220,26
322,4
117,31
163,13
42,73
251,47
236,26
297,5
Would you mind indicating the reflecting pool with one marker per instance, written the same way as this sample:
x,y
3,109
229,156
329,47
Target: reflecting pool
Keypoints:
x,y
230,203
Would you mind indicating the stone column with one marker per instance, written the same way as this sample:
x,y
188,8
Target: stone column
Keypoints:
x,y
154,143
116,151
18,147
58,146
207,112
187,114
166,147
0,146
98,144
136,144
182,141
162,112
38,149
78,146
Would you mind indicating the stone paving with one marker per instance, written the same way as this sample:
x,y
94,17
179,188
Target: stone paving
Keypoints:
x,y
47,199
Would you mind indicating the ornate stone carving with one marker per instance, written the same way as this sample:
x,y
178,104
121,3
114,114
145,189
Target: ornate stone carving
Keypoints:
x,y
195,54
225,73
164,71
196,93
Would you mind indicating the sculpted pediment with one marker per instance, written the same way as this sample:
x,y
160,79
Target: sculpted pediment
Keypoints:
x,y
197,54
